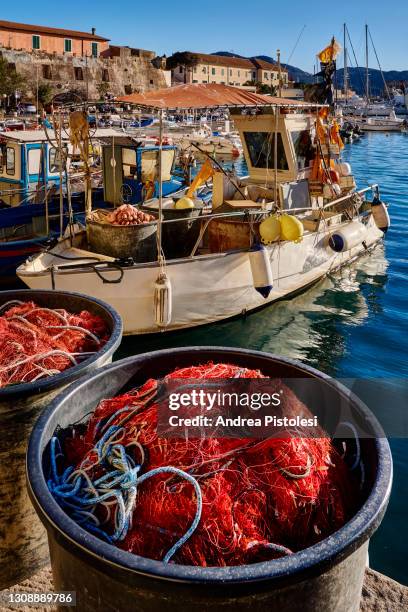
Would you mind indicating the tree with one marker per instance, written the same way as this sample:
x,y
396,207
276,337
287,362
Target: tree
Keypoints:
x,y
103,89
10,80
262,88
182,58
45,93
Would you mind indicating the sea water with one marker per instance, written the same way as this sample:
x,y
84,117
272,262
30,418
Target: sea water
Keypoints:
x,y
351,324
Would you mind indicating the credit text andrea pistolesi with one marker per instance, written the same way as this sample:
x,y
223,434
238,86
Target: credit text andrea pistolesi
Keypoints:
x,y
240,421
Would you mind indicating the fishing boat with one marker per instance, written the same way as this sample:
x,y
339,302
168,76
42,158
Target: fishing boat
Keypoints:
x,y
29,161
296,218
32,211
205,141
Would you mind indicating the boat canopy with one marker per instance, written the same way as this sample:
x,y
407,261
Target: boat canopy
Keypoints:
x,y
208,95
30,136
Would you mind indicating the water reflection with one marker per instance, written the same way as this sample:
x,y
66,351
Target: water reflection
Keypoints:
x,y
311,327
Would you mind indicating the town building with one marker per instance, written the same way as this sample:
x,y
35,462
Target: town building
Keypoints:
x,y
25,37
83,62
235,71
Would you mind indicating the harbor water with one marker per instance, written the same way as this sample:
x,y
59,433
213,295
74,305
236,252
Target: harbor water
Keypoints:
x,y
351,324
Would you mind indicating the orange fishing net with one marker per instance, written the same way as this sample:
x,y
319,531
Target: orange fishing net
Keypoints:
x,y
259,499
36,342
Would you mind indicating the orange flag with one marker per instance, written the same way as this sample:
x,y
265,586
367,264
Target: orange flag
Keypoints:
x,y
205,173
330,52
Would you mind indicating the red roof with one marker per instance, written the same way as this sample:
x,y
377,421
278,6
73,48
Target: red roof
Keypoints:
x,y
35,29
223,60
264,65
207,95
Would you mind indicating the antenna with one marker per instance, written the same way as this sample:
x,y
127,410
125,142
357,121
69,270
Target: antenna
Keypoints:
x,y
345,73
367,76
296,43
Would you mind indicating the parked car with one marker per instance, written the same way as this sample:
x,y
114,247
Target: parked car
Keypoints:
x,y
27,109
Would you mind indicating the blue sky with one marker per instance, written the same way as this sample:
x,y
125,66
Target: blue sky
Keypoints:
x,y
247,27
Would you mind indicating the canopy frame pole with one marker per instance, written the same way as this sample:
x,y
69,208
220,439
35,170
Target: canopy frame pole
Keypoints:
x,y
60,162
275,154
160,219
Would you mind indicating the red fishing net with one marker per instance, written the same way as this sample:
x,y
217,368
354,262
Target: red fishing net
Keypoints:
x,y
261,499
36,342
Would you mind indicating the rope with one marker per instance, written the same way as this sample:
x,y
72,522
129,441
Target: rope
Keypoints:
x,y
75,490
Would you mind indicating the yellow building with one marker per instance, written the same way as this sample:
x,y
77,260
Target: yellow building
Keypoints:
x,y
220,69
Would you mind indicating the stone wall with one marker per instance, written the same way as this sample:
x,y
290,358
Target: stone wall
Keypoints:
x,y
125,72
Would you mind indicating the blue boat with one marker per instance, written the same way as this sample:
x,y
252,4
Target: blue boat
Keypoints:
x,y
130,175
29,171
130,171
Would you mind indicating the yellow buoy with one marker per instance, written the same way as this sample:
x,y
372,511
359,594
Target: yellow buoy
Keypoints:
x,y
291,228
184,203
270,229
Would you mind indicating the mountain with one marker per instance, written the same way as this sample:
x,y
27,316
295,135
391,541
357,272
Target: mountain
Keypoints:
x,y
356,76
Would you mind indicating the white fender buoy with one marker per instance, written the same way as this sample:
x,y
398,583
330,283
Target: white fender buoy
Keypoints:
x,y
162,300
381,215
261,269
351,235
331,190
343,168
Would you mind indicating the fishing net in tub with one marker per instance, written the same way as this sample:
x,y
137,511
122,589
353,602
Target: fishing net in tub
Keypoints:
x,y
37,342
202,501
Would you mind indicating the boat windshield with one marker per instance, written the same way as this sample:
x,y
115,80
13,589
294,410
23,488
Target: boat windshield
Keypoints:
x,y
303,145
261,149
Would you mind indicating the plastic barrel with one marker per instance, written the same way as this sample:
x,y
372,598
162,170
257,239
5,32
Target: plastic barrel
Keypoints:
x,y
179,237
23,541
326,576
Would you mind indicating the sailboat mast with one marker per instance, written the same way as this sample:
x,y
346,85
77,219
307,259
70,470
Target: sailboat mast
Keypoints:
x,y
345,73
367,77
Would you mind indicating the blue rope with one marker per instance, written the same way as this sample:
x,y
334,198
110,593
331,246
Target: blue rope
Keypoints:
x,y
194,524
74,493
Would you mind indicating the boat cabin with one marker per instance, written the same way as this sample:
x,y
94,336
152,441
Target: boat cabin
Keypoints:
x,y
27,160
295,150
131,171
294,147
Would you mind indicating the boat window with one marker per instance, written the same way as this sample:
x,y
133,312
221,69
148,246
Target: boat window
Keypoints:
x,y
34,157
2,158
54,160
129,162
261,149
150,164
304,149
10,161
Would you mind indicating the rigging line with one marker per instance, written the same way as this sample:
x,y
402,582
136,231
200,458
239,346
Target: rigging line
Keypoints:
x,y
379,65
355,59
221,168
296,44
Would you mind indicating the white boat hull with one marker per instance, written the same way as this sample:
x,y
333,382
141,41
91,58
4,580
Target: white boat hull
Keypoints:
x,y
205,288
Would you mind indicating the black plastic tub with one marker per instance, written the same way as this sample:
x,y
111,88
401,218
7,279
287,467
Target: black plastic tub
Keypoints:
x,y
325,577
23,541
179,237
121,241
